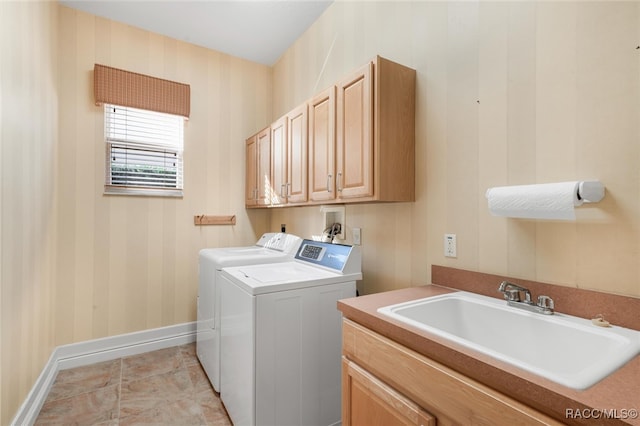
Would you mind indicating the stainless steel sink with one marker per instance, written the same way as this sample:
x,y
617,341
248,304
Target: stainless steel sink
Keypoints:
x,y
568,350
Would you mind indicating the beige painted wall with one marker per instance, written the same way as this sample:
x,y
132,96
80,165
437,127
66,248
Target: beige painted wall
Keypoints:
x,y
78,265
507,93
130,263
558,91
28,139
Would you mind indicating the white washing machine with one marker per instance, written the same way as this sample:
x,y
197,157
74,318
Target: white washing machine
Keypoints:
x,y
271,247
282,336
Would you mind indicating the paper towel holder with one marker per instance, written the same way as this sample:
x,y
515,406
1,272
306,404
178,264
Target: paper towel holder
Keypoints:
x,y
590,191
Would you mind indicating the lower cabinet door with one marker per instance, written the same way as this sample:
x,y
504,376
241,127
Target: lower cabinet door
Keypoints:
x,y
366,401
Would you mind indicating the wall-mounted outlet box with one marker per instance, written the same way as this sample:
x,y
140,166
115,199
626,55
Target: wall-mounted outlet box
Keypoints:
x,y
334,214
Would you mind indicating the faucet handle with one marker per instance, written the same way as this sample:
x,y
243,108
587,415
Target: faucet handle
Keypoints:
x,y
512,295
545,303
512,291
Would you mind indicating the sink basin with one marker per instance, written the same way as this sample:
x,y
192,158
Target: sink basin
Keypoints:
x,y
568,350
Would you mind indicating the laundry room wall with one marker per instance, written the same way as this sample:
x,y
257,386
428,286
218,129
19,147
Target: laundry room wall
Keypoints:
x,y
507,93
28,146
130,263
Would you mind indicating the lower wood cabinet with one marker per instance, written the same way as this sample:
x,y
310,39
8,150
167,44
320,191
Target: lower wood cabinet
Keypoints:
x,y
385,383
370,402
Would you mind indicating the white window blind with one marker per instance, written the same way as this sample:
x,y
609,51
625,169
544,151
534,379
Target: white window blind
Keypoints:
x,y
144,152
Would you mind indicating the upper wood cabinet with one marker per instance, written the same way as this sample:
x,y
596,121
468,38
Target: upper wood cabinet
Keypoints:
x,y
354,154
322,146
297,158
279,161
289,157
251,171
258,169
376,133
360,137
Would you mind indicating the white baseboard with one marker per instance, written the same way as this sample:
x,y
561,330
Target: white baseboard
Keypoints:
x,y
93,351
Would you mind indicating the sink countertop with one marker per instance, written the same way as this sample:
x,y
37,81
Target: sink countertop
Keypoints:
x,y
620,391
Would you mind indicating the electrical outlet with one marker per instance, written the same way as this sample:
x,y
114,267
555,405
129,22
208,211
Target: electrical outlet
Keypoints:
x,y
450,249
356,237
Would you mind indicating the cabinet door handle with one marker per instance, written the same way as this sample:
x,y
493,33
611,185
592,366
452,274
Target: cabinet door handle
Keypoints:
x,y
255,193
339,181
288,189
282,190
328,183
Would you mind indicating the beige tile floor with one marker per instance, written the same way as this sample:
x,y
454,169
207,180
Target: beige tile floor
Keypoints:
x,y
164,387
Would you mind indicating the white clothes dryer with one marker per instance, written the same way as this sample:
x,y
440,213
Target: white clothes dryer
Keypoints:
x,y
282,336
271,247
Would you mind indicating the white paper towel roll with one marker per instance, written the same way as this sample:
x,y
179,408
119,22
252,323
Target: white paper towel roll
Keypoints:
x,y
543,201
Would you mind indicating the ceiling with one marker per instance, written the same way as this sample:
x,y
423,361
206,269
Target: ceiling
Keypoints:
x,y
256,30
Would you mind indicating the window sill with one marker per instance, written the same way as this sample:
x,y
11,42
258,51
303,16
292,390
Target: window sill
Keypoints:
x,y
143,192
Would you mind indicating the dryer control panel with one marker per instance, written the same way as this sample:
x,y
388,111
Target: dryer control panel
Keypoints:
x,y
337,257
287,243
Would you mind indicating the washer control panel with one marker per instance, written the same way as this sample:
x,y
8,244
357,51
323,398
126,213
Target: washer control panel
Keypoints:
x,y
333,256
312,252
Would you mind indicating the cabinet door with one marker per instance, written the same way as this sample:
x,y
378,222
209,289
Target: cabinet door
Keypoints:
x,y
279,162
251,171
263,161
369,402
322,146
354,155
296,185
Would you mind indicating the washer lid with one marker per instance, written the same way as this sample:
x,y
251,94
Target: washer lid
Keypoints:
x,y
271,247
234,256
269,278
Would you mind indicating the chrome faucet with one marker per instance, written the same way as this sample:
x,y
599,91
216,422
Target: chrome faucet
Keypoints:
x,y
512,292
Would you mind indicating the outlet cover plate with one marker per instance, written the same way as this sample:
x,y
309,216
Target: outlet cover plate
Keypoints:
x,y
450,246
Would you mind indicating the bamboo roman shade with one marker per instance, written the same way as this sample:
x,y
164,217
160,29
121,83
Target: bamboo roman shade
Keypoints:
x,y
130,89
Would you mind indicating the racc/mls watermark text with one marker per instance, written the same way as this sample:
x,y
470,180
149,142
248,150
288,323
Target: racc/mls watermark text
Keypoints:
x,y
598,413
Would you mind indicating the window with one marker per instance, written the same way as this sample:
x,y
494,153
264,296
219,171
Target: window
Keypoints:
x,y
144,152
